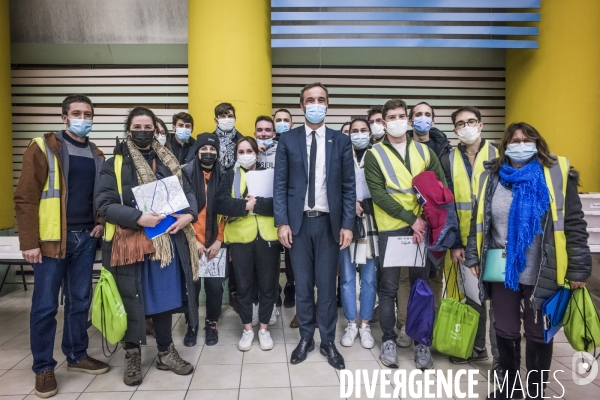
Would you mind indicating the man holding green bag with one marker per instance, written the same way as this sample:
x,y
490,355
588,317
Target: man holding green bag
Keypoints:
x,y
59,239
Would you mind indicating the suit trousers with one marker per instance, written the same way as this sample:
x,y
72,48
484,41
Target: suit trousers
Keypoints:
x,y
314,255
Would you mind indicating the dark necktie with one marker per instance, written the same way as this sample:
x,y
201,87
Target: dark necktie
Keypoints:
x,y
311,169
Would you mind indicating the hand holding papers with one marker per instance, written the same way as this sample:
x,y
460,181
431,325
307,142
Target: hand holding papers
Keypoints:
x,y
214,268
402,252
260,183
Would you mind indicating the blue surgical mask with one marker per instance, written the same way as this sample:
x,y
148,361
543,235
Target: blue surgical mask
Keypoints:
x,y
183,134
360,140
281,127
422,125
315,113
267,142
520,153
80,127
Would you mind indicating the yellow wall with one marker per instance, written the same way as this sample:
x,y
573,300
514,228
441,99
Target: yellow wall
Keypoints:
x,y
229,60
7,219
556,88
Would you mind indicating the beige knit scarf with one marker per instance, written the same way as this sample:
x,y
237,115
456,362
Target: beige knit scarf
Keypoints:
x,y
162,243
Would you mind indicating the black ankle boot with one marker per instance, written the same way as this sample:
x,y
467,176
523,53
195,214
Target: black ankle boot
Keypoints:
x,y
510,361
538,358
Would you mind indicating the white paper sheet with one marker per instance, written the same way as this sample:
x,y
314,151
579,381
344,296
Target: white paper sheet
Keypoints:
x,y
260,183
164,196
469,284
362,190
402,252
214,268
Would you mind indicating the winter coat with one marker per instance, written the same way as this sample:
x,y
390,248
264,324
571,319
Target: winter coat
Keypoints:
x,y
129,277
579,266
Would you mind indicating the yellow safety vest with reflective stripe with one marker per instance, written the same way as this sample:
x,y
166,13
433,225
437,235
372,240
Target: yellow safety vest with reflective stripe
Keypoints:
x,y
109,229
49,209
556,180
246,229
398,181
463,194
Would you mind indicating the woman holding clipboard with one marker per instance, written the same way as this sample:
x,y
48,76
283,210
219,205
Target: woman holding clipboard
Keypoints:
x,y
203,174
154,276
252,238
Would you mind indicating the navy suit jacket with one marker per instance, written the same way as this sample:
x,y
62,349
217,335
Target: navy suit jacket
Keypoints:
x,y
291,180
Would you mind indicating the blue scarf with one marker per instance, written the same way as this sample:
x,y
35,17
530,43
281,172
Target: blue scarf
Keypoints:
x,y
530,203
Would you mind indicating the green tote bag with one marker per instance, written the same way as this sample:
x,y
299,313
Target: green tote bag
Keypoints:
x,y
455,328
581,323
108,312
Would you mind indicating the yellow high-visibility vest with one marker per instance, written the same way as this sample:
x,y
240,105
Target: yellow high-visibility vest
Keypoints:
x,y
556,180
49,209
246,229
398,181
463,193
109,229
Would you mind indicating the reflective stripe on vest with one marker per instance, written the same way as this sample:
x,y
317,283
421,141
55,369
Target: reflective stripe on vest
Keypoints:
x,y
109,229
246,229
463,194
49,209
556,180
398,181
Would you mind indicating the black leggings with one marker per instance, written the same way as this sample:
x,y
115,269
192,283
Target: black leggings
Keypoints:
x,y
162,327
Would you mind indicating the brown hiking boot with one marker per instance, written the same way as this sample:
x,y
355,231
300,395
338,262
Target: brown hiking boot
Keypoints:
x,y
132,375
170,361
90,366
45,384
295,323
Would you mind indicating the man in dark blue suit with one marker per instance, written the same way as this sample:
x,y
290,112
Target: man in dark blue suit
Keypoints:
x,y
314,201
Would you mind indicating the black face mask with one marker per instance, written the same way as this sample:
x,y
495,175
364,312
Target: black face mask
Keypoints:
x,y
208,158
142,139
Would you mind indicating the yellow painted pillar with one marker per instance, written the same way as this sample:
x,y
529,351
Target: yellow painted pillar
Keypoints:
x,y
556,88
7,215
229,60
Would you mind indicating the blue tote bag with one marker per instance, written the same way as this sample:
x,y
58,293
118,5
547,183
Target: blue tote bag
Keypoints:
x,y
420,313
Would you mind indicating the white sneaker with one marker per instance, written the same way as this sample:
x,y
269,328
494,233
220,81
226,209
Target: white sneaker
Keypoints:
x,y
403,339
366,339
350,335
264,338
254,314
274,315
245,343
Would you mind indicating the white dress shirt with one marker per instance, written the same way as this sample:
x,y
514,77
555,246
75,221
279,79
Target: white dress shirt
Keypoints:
x,y
321,203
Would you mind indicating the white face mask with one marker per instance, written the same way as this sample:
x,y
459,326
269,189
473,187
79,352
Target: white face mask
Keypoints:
x,y
468,134
397,128
247,160
162,139
378,130
226,124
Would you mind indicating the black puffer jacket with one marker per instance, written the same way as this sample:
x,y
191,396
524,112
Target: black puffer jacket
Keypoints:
x,y
129,277
440,146
579,266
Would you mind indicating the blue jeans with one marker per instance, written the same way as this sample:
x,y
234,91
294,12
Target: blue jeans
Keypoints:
x,y
75,273
368,286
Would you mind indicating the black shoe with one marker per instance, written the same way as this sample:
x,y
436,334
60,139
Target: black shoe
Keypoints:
x,y
190,337
334,358
212,335
477,355
289,293
301,351
278,302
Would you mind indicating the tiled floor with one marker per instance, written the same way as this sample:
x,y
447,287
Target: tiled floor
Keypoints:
x,y
223,372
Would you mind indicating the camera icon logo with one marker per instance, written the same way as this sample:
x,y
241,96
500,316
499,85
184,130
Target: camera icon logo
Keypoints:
x,y
584,368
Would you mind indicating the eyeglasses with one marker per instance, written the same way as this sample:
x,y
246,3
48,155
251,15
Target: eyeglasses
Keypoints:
x,y
378,120
363,130
460,124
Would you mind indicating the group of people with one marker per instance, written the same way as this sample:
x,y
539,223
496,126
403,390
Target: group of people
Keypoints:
x,y
68,197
